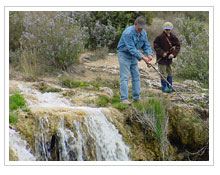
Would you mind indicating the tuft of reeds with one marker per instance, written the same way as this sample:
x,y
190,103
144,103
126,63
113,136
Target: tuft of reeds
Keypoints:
x,y
152,114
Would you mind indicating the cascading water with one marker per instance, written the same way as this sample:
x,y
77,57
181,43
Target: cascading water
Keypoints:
x,y
88,137
19,146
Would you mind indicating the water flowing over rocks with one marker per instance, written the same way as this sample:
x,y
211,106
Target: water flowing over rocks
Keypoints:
x,y
58,130
17,147
64,126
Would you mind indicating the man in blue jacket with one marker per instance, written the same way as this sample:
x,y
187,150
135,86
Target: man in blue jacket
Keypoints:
x,y
132,40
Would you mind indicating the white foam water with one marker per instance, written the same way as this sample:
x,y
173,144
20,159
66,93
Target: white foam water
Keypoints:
x,y
99,141
19,146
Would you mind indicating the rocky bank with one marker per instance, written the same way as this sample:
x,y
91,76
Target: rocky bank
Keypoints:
x,y
58,125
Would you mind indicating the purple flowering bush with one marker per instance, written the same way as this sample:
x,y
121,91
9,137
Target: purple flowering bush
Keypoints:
x,y
58,38
55,35
193,59
104,28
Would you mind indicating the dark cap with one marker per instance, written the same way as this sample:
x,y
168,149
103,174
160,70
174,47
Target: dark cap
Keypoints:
x,y
140,22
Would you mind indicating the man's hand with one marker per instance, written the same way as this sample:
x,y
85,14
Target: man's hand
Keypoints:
x,y
171,56
147,59
150,57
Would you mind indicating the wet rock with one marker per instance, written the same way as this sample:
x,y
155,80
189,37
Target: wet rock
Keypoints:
x,y
107,91
187,127
12,155
192,83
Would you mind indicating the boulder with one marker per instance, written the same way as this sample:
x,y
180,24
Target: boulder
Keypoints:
x,y
187,127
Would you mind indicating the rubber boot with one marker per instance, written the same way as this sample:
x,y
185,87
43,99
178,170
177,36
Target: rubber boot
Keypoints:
x,y
164,86
170,80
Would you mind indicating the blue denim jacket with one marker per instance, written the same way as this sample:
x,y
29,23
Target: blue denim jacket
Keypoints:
x,y
132,43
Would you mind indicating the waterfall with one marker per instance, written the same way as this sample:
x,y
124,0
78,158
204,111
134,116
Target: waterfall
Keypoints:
x,y
19,146
99,141
73,138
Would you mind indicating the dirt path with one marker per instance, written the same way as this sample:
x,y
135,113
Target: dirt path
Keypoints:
x,y
112,61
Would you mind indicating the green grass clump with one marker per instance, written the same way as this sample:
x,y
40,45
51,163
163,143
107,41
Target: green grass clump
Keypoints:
x,y
120,106
16,101
69,82
13,117
103,101
155,112
53,90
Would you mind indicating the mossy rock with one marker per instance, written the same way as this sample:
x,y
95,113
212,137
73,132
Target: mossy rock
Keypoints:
x,y
142,143
187,127
12,155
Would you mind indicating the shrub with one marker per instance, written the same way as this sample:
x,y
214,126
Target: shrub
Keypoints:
x,y
14,57
193,59
16,28
56,37
105,27
28,63
99,53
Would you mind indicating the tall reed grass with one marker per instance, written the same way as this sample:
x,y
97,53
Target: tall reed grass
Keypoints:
x,y
152,114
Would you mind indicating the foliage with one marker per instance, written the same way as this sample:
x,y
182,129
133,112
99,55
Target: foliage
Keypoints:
x,y
16,28
154,111
120,106
28,63
105,27
152,114
14,56
198,15
171,15
69,81
55,36
59,37
103,101
193,60
16,102
99,53
54,90
13,117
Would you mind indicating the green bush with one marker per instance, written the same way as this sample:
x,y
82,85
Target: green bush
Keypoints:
x,y
16,28
16,101
193,59
104,28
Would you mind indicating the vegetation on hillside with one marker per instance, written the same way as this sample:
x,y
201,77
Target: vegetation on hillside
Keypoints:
x,y
42,42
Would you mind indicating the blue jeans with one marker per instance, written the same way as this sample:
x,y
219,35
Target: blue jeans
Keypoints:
x,y
129,65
